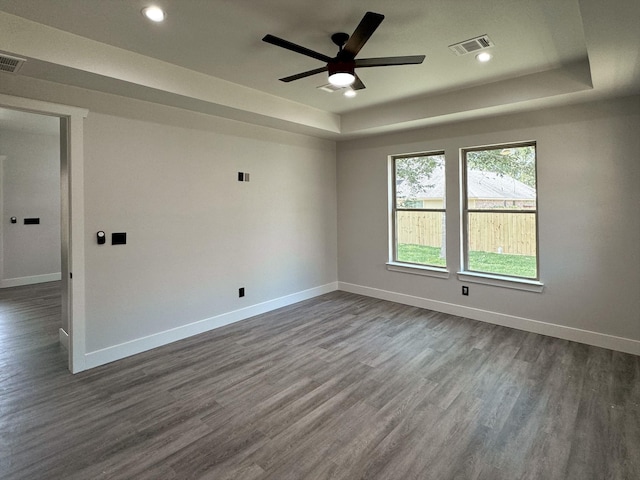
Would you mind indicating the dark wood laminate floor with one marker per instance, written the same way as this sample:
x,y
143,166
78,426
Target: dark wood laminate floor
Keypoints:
x,y
338,387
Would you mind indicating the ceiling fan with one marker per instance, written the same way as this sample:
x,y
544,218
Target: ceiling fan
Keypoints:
x,y
342,67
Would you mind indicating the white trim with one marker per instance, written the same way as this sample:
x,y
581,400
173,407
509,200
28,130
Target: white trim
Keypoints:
x,y
63,338
500,281
588,337
30,280
418,269
2,159
117,352
77,332
40,107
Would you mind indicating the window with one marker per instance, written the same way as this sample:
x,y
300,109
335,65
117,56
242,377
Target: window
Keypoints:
x,y
418,189
500,216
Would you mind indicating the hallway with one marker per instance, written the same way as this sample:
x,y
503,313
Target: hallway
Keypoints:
x,y
29,325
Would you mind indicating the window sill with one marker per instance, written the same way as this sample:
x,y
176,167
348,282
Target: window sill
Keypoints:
x,y
500,281
418,269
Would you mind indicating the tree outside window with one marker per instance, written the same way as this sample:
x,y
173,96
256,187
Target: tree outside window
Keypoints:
x,y
500,210
419,209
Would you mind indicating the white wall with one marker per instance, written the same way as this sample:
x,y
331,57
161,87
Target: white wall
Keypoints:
x,y
168,178
589,227
30,188
2,227
195,234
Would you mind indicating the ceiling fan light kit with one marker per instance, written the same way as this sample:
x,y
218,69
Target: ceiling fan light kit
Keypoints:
x,y
341,74
341,68
342,79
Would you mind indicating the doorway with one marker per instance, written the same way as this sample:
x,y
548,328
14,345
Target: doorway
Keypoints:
x,y
30,208
68,122
30,204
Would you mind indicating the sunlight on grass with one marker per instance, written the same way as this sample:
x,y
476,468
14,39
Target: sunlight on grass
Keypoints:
x,y
503,264
486,262
420,254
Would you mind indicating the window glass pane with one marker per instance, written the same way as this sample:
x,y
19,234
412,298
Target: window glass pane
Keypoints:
x,y
420,182
502,178
502,243
420,238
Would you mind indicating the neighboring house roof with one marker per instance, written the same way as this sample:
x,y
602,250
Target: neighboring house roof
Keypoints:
x,y
433,187
481,185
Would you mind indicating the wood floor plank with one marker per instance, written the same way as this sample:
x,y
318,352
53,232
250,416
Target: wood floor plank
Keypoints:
x,y
339,387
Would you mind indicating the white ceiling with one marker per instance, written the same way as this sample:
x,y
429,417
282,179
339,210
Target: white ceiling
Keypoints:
x,y
546,52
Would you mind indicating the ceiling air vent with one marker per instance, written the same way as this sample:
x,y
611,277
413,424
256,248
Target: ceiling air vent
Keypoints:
x,y
329,88
10,64
472,45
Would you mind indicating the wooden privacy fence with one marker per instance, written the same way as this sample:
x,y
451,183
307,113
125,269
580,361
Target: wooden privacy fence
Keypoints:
x,y
420,228
509,233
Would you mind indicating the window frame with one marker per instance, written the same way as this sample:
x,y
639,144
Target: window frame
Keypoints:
x,y
403,266
493,278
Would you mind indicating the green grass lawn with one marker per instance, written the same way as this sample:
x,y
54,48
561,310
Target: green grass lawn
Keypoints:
x,y
420,254
498,263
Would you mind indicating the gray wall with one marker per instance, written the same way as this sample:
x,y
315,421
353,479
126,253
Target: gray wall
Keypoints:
x,y
195,234
589,226
30,188
168,178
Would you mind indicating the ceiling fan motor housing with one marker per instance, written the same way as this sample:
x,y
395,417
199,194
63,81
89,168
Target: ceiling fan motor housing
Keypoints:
x,y
341,71
341,66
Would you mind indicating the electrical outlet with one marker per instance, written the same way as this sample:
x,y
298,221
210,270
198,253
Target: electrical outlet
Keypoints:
x,y
465,290
241,292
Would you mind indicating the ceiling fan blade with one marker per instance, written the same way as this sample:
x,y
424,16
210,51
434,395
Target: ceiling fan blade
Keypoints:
x,y
303,74
389,61
363,32
358,85
279,42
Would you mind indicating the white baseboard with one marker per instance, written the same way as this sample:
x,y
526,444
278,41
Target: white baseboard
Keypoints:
x,y
588,337
139,345
19,281
63,338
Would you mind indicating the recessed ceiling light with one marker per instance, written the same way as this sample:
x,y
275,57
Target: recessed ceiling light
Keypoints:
x,y
350,92
483,57
155,14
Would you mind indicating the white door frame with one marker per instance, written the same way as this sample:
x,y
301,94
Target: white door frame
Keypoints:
x,y
2,159
72,219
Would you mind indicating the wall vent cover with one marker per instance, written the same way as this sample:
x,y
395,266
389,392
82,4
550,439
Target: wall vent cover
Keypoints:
x,y
10,64
472,45
329,88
